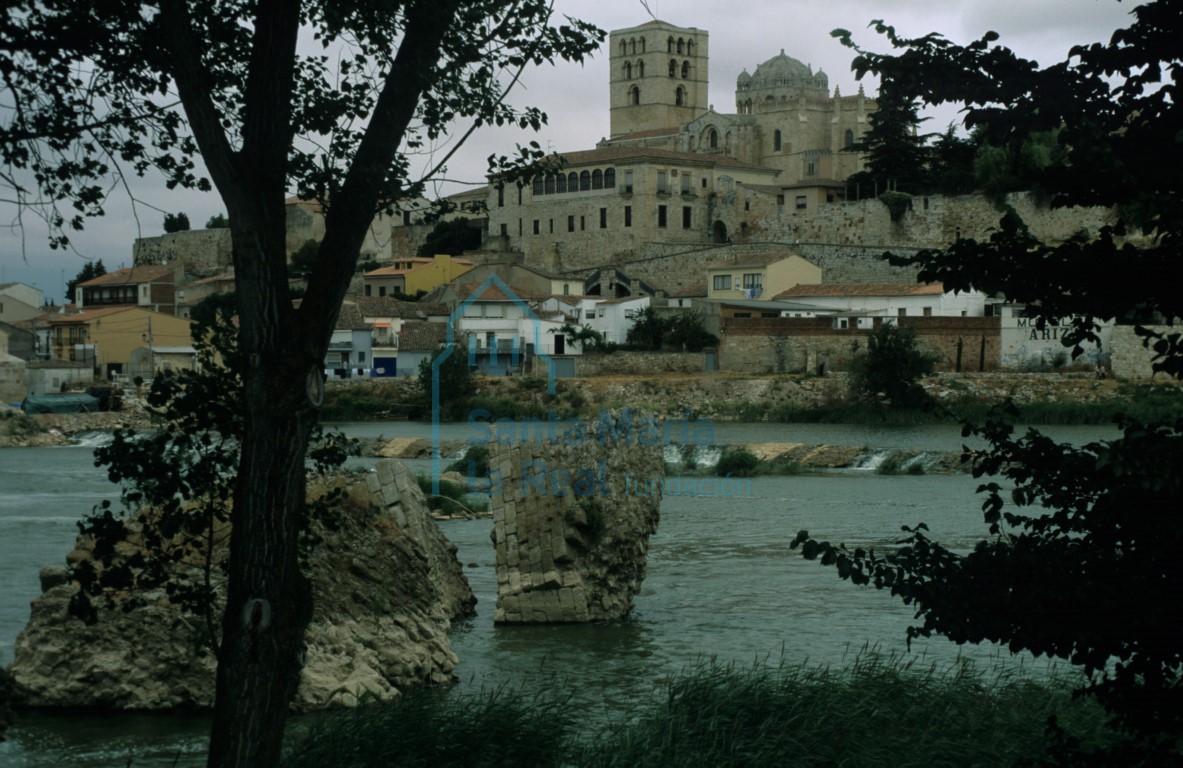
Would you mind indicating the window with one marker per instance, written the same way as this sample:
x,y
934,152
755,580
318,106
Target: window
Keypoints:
x,y
848,140
561,184
801,202
662,184
519,227
584,181
722,282
600,311
928,311
582,223
628,215
501,196
597,179
566,289
368,293
776,140
634,95
661,215
679,97
628,70
628,182
673,67
753,280
381,290
686,183
589,314
902,312
780,199
572,182
552,225
811,168
537,186
570,223
742,315
505,230
610,178
603,218
550,185
685,69
640,69
536,226
685,217
714,139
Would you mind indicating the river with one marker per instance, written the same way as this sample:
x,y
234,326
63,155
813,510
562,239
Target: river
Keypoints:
x,y
722,584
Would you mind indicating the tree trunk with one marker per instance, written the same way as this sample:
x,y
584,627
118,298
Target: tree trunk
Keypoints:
x,y
268,604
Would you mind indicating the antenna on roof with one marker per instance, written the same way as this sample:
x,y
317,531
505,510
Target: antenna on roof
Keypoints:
x,y
648,10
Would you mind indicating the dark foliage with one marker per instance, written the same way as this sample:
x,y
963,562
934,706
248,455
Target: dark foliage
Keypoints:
x,y
453,237
90,270
176,222
447,376
1082,560
218,221
891,367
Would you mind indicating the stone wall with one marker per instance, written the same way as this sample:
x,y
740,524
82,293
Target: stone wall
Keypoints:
x,y
385,586
812,345
622,363
202,252
1128,358
844,239
572,520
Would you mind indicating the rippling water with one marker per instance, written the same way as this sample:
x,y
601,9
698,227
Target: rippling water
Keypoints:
x,y
722,585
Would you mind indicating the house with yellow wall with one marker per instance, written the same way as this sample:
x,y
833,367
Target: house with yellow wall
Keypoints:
x,y
413,274
756,275
106,337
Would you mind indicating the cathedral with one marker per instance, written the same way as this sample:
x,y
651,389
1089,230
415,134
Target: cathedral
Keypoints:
x,y
675,172
785,116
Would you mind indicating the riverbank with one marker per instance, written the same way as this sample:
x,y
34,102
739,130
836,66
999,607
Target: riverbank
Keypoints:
x,y
1045,398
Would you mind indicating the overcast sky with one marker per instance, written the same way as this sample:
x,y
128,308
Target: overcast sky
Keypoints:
x,y
742,35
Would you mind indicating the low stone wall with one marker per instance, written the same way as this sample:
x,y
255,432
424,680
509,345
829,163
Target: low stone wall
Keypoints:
x,y
1128,358
572,520
639,363
812,345
385,587
201,251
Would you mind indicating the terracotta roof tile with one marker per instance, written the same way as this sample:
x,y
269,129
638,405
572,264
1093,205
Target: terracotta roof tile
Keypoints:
x,y
862,289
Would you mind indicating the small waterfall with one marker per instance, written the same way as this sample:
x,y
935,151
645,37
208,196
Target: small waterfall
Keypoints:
x,y
93,439
691,455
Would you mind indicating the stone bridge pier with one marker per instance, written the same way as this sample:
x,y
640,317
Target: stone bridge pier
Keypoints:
x,y
572,517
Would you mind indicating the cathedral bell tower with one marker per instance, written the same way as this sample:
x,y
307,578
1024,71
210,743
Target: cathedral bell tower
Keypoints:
x,y
658,77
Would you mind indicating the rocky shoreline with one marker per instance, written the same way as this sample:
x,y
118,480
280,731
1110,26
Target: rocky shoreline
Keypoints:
x,y
386,585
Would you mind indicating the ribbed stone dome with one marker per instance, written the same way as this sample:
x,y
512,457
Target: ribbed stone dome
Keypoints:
x,y
781,67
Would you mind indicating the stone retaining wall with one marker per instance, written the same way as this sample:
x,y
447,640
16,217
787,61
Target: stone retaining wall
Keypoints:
x,y
639,363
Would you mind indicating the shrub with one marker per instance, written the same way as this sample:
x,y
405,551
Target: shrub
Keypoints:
x,y
891,367
737,462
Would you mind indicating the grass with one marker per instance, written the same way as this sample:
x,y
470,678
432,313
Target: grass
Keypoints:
x,y
428,728
876,711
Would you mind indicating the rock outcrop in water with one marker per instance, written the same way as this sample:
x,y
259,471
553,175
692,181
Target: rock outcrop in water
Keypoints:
x,y
385,584
572,518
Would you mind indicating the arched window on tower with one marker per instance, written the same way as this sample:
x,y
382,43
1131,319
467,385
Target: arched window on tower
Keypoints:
x,y
689,47
669,45
537,186
610,178
640,68
685,69
632,47
584,181
550,185
572,182
776,140
561,183
673,68
680,96
848,141
634,95
642,45
681,45
624,47
628,70
714,139
597,179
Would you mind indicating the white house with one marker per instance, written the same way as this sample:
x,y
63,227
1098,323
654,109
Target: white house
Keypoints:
x,y
884,300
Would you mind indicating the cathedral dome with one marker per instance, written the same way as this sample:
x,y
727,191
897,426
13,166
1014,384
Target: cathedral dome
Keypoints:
x,y
782,70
